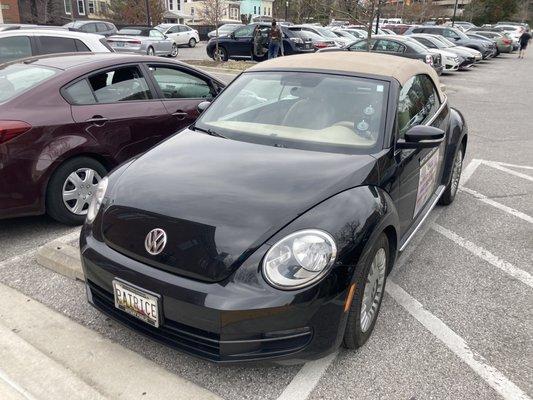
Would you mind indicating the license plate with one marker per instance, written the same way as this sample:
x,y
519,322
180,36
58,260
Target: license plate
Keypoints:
x,y
137,302
119,44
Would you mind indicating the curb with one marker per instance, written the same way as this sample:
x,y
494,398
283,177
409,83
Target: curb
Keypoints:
x,y
61,258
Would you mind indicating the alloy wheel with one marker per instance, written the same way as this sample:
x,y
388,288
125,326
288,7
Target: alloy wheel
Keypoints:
x,y
151,51
78,190
174,51
374,285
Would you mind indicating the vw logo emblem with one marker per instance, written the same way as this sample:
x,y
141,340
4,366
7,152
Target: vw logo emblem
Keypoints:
x,y
155,241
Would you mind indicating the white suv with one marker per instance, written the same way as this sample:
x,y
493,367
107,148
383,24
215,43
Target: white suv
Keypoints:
x,y
22,43
180,34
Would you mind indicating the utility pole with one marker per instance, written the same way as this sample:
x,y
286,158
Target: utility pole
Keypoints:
x,y
148,18
72,10
454,12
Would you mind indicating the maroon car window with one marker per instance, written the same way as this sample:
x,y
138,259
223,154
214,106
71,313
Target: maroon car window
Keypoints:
x,y
15,47
177,84
55,44
80,93
122,84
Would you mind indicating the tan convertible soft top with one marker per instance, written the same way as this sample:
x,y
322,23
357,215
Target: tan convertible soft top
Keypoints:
x,y
400,68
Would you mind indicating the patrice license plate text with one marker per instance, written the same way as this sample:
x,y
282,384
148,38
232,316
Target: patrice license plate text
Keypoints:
x,y
136,302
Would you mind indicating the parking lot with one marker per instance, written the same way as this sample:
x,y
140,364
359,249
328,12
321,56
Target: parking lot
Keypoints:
x,y
457,319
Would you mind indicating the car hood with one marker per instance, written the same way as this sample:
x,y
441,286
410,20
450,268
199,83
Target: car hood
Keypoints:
x,y
219,199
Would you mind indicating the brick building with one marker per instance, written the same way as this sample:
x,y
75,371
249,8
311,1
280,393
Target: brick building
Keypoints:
x,y
9,11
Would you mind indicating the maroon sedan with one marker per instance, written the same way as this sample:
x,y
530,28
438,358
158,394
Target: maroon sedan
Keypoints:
x,y
66,120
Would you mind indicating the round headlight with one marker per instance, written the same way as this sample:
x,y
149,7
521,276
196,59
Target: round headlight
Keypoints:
x,y
97,200
299,259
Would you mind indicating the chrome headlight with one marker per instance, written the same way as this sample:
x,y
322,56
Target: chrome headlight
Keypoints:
x,y
299,259
97,200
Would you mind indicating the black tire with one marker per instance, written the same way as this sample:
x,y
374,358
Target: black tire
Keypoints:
x,y
192,42
448,196
174,52
354,336
150,51
223,54
55,207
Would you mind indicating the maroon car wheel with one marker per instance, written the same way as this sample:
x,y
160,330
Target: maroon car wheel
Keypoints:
x,y
71,189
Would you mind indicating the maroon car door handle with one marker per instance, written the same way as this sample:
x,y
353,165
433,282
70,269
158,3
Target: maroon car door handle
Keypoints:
x,y
180,114
97,120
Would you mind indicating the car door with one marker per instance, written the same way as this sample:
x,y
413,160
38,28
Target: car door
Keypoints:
x,y
174,33
241,43
181,90
419,170
118,108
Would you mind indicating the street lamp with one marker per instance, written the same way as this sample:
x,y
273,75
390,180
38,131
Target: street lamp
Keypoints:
x,y
286,10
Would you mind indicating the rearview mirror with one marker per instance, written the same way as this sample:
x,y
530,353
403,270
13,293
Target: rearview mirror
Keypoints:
x,y
421,137
203,106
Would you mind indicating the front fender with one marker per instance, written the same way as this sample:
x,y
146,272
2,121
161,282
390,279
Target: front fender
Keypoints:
x,y
457,133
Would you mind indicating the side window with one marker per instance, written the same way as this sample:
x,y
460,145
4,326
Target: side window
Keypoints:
x,y
177,84
80,93
156,34
12,48
89,28
246,31
450,34
54,44
362,45
101,27
389,46
417,103
122,84
80,45
174,29
426,42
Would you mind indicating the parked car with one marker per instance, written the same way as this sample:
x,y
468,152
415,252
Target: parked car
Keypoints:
x,y
365,28
89,113
399,29
239,44
458,37
267,232
224,30
345,34
452,46
399,46
181,34
504,43
143,41
318,42
450,61
502,31
20,43
100,27
388,31
12,27
463,24
467,59
324,32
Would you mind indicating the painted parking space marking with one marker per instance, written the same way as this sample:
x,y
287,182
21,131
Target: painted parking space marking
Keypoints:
x,y
500,167
303,383
500,206
486,255
493,377
15,386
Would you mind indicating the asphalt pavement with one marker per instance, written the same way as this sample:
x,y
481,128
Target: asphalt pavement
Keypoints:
x,y
456,322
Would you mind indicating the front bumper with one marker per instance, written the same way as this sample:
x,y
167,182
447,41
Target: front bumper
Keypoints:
x,y
223,322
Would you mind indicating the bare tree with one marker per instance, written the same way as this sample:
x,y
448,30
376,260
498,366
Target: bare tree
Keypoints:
x,y
212,14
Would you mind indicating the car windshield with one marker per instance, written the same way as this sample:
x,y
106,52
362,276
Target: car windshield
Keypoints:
x,y
17,78
228,28
301,110
306,35
131,32
417,46
446,41
436,42
326,33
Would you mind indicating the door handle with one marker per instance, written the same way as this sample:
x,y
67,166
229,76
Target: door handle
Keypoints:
x,y
97,120
180,114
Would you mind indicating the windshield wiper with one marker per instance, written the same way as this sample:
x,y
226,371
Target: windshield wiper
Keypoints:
x,y
209,132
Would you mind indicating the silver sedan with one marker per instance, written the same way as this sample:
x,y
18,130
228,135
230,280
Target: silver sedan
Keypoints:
x,y
143,41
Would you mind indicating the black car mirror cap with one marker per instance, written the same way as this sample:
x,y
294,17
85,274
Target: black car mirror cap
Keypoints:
x,y
203,106
421,137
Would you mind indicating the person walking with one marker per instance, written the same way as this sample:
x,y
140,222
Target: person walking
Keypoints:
x,y
275,35
523,41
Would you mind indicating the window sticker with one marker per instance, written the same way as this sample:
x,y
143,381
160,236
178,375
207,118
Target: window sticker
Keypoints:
x,y
427,180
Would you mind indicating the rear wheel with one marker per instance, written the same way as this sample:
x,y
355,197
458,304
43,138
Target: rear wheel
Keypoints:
x,y
150,51
451,190
222,54
192,42
174,51
369,289
72,188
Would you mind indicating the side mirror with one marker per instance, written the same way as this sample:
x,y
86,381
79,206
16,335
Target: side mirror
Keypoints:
x,y
421,137
203,106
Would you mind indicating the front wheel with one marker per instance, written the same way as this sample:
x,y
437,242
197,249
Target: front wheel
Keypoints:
x,y
72,188
451,190
369,289
150,51
174,51
221,55
192,42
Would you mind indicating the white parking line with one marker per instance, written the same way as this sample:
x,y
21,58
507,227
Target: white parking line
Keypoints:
x,y
480,252
469,170
512,165
306,379
499,166
15,386
500,206
493,377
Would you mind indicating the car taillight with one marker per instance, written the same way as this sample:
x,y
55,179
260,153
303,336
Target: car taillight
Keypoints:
x,y
11,129
507,41
429,59
134,42
321,45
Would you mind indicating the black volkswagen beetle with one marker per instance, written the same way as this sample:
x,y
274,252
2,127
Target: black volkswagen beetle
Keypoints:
x,y
267,229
